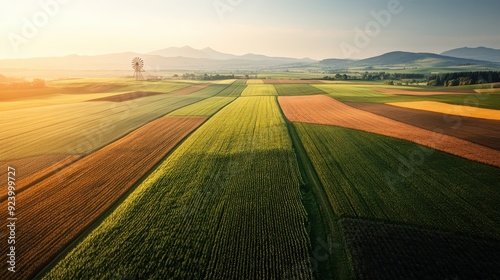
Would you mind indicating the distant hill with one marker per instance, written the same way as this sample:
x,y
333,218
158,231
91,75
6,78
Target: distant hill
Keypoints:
x,y
153,61
479,53
189,59
210,53
408,59
185,58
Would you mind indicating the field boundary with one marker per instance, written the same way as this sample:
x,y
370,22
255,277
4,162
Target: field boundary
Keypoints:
x,y
322,208
40,178
80,237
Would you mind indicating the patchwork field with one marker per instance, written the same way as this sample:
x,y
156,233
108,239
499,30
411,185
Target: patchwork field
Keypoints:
x,y
291,81
479,131
76,196
82,127
226,204
456,110
34,169
299,89
259,90
322,109
234,90
418,93
253,179
390,181
254,81
366,93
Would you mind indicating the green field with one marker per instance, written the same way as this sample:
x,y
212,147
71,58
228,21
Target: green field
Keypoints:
x,y
225,205
297,89
250,195
365,93
235,89
371,176
207,107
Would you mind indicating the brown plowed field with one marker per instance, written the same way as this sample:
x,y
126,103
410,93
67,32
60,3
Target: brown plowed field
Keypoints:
x,y
52,213
320,109
479,131
285,81
421,93
33,169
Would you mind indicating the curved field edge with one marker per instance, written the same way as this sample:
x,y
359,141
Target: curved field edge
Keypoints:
x,y
321,109
225,204
376,177
86,189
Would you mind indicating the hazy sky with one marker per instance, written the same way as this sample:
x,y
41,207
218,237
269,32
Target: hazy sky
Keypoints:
x,y
296,28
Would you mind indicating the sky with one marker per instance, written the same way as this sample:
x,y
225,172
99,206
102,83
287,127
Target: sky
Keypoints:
x,y
316,29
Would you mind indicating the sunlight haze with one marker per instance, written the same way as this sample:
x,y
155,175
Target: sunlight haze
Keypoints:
x,y
314,29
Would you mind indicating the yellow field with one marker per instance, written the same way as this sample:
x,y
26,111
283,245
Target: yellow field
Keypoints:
x,y
488,90
255,81
457,110
256,90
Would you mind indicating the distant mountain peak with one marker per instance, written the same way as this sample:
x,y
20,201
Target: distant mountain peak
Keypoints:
x,y
477,53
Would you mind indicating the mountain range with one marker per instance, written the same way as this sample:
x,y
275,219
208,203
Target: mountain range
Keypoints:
x,y
479,53
190,59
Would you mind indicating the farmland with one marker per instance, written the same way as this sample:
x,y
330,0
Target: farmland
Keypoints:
x,y
259,90
479,131
253,179
82,127
420,194
456,110
84,190
366,93
298,89
322,109
226,204
233,90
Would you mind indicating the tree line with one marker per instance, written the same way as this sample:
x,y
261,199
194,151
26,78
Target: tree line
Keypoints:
x,y
463,78
21,84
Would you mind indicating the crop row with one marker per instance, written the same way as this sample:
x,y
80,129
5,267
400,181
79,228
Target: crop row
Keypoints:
x,y
297,89
80,128
380,250
259,90
321,109
205,107
225,205
367,93
371,176
234,90
56,210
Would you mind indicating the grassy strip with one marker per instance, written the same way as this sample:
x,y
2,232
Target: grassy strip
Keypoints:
x,y
324,231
